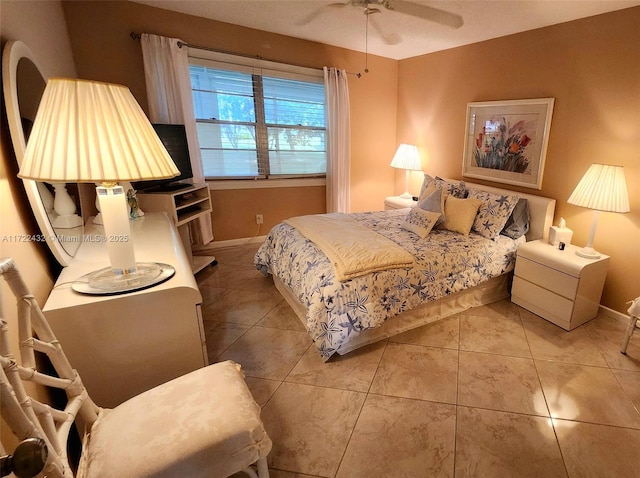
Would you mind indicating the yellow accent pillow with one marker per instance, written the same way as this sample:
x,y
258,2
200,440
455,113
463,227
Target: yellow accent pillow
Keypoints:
x,y
459,214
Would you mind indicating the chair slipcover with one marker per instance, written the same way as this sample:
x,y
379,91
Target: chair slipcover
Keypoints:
x,y
167,431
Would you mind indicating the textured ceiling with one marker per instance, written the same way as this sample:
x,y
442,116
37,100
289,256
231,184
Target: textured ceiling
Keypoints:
x,y
392,34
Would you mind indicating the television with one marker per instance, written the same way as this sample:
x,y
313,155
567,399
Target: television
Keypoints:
x,y
174,139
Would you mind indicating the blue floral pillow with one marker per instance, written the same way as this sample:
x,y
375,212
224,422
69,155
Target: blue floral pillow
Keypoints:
x,y
493,213
456,189
420,222
433,201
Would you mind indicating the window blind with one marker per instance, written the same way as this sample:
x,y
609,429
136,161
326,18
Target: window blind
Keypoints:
x,y
254,123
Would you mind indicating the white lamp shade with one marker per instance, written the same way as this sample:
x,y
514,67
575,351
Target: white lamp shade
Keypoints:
x,y
88,131
407,157
603,188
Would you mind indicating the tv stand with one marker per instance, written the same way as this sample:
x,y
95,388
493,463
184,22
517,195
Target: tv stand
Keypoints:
x,y
184,205
168,188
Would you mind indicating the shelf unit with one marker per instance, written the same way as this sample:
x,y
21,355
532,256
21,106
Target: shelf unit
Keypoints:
x,y
183,206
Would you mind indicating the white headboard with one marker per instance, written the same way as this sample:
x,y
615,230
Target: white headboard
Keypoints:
x,y
541,210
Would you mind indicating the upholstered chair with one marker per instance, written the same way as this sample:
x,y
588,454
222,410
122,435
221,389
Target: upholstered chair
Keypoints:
x,y
203,424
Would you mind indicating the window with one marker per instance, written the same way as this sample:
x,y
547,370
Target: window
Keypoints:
x,y
256,122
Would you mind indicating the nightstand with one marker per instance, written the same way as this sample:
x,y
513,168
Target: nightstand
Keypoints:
x,y
560,286
396,202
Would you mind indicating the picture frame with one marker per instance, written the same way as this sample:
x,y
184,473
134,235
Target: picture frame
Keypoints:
x,y
506,141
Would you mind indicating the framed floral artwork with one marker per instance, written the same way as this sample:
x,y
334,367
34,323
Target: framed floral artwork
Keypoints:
x,y
506,141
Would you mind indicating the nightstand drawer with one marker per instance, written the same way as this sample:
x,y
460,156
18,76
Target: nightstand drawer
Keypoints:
x,y
542,302
548,278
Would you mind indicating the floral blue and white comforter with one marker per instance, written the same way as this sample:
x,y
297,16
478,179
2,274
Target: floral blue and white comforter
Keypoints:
x,y
445,262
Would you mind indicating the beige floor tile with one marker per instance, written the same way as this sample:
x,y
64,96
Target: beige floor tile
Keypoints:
x,y
413,371
268,353
242,307
353,371
500,383
608,334
547,341
598,451
500,309
443,333
499,444
630,382
498,335
233,255
220,336
282,317
246,277
210,293
401,437
262,389
586,394
310,427
273,473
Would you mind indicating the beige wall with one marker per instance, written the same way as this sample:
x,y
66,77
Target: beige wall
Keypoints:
x,y
42,27
104,51
592,69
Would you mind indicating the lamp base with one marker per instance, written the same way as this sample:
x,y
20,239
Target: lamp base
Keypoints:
x,y
588,253
107,282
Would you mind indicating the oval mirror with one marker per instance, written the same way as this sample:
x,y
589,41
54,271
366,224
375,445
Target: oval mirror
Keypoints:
x,y
53,205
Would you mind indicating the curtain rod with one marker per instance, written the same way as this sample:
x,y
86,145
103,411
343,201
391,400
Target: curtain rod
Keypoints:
x,y
137,36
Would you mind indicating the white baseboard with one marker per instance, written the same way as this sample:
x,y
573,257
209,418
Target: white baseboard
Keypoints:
x,y
230,243
614,314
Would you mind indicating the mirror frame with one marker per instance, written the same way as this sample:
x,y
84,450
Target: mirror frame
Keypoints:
x,y
14,52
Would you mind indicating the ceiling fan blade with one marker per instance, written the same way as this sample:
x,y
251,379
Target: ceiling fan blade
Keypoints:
x,y
428,13
317,12
387,38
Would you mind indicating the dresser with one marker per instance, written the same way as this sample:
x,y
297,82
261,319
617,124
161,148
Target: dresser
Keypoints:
x,y
125,344
558,285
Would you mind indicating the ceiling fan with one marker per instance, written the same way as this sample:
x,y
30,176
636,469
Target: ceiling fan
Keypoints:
x,y
370,7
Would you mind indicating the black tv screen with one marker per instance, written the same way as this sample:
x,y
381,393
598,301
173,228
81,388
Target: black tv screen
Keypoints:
x,y
174,139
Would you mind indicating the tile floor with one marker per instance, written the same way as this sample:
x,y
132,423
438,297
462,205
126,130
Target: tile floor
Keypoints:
x,y
492,392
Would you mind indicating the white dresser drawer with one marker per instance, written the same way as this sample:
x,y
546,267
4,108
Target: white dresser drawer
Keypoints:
x,y
546,277
540,301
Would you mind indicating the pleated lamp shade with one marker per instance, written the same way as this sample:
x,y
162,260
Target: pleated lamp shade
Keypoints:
x,y
603,188
88,131
406,157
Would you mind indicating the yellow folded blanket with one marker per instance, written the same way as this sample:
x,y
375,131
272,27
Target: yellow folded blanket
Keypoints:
x,y
352,248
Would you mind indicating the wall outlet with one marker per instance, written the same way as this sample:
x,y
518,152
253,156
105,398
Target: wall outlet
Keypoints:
x,y
259,219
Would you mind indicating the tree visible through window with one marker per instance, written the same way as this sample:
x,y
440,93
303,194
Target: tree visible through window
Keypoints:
x,y
254,125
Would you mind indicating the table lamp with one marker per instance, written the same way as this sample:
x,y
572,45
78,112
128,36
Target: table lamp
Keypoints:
x,y
602,188
88,131
406,158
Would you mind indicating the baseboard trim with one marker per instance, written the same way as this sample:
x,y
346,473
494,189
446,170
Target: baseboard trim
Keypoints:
x,y
614,314
230,243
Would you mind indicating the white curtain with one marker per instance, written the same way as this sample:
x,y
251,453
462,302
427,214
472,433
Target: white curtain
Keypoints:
x,y
166,74
338,133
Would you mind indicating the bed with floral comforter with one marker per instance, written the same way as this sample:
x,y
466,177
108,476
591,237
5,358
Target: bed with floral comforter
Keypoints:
x,y
445,262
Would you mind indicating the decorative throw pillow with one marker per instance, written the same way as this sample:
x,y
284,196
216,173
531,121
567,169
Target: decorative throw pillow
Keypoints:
x,y
433,201
420,222
459,214
493,213
518,223
455,188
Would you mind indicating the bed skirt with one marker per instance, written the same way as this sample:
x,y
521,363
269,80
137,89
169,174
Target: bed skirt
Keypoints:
x,y
493,290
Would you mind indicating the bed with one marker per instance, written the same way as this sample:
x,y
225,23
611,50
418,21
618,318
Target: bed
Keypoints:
x,y
447,272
